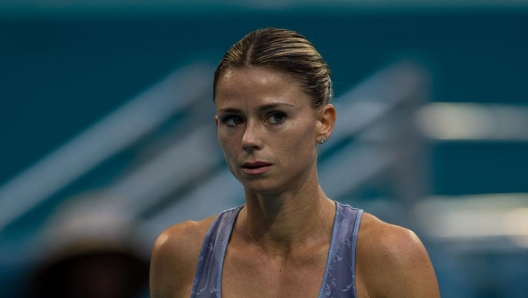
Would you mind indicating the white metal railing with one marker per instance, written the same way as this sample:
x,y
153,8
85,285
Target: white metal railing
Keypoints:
x,y
377,112
101,141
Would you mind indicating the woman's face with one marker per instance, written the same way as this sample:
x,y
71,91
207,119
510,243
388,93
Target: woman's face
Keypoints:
x,y
267,129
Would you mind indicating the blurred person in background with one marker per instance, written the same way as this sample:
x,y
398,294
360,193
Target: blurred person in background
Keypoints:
x,y
89,251
272,93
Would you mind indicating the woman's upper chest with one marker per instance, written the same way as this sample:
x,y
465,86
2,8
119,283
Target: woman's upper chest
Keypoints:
x,y
249,272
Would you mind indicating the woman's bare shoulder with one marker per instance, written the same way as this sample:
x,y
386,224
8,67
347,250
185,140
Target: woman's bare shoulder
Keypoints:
x,y
393,261
175,256
387,239
183,237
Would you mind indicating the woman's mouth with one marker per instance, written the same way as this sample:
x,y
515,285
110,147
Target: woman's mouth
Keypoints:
x,y
256,168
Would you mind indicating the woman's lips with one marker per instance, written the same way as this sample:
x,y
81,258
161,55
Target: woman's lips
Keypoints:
x,y
255,168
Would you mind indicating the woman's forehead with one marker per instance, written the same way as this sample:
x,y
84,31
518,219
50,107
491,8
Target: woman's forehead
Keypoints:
x,y
242,87
257,74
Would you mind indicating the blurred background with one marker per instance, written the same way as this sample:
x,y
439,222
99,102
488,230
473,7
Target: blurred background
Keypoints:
x,y
107,134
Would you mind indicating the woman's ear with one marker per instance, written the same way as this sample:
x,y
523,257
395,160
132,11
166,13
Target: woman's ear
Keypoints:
x,y
326,122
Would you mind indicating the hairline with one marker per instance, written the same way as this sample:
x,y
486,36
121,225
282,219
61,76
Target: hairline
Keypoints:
x,y
298,79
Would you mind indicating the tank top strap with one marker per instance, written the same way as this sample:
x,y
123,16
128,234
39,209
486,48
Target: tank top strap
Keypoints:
x,y
339,280
209,269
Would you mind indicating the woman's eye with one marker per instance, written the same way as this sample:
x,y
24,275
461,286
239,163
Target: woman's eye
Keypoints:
x,y
276,118
233,120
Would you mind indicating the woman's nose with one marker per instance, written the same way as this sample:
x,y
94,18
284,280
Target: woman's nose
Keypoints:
x,y
251,140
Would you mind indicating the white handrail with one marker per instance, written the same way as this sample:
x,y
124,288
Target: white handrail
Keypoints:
x,y
99,142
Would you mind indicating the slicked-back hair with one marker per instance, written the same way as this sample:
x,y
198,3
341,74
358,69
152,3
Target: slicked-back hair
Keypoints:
x,y
285,51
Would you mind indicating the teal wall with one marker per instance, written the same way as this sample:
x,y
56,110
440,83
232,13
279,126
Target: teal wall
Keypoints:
x,y
60,75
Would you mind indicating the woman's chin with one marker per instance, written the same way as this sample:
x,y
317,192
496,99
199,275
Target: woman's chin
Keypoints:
x,y
261,188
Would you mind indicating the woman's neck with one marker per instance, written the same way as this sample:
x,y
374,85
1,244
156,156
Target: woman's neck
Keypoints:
x,y
279,223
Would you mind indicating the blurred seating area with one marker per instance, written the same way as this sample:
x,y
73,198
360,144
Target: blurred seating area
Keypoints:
x,y
107,133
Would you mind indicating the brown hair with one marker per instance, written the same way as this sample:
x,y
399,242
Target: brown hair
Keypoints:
x,y
282,50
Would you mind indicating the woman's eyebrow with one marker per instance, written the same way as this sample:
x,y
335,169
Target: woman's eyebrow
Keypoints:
x,y
229,110
272,106
261,108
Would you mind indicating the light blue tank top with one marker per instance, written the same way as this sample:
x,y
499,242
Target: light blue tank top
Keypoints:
x,y
339,279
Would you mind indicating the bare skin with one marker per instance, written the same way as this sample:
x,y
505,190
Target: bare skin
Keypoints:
x,y
279,245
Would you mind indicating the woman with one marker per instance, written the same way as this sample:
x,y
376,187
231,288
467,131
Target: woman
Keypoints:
x,y
272,92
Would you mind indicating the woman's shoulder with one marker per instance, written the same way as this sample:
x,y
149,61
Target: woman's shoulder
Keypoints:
x,y
393,260
186,230
183,239
174,257
380,236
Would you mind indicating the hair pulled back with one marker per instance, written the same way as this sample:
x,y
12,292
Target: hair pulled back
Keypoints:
x,y
282,50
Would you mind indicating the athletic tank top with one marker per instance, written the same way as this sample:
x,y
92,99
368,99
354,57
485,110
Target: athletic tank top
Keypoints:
x,y
339,278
